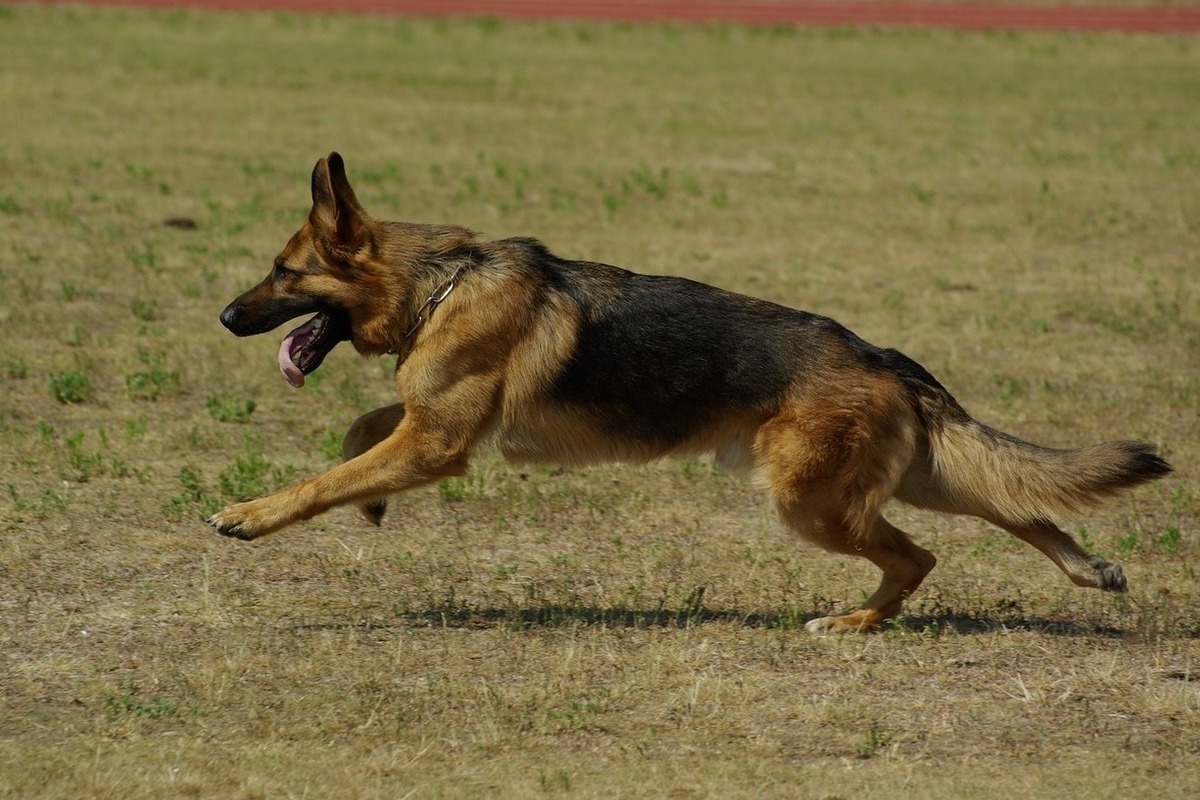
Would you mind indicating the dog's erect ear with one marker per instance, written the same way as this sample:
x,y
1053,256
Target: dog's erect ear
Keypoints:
x,y
336,213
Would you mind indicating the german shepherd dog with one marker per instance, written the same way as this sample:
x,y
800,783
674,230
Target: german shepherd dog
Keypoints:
x,y
503,343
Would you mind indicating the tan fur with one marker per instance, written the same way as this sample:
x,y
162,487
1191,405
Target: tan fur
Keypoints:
x,y
978,474
855,428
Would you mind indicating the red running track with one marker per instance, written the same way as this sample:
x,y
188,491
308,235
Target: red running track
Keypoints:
x,y
1130,19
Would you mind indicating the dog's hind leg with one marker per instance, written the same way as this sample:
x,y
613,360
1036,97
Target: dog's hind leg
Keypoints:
x,y
1084,569
820,515
367,431
922,489
831,465
904,566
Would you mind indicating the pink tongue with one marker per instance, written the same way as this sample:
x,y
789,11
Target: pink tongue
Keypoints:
x,y
291,372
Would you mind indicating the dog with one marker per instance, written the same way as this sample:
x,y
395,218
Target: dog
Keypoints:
x,y
503,343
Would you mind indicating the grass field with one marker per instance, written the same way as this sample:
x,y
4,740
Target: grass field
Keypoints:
x,y
1017,212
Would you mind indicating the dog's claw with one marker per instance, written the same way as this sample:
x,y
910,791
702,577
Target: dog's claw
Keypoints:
x,y
250,520
232,531
236,528
1110,577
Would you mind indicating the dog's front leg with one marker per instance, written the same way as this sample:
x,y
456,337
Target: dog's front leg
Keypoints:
x,y
367,431
414,454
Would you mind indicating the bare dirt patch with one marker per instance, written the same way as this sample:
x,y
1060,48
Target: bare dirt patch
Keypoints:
x,y
1018,212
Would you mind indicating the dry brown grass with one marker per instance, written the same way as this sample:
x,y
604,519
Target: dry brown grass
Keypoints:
x,y
1017,212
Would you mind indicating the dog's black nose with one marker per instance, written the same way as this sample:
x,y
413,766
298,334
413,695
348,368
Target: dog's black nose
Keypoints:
x,y
229,315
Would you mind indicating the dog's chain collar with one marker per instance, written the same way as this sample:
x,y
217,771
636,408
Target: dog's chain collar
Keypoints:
x,y
435,299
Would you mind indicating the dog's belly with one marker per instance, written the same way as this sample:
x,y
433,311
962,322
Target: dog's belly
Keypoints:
x,y
554,434
568,436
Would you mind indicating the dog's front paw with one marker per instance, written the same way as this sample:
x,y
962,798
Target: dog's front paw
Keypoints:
x,y
245,521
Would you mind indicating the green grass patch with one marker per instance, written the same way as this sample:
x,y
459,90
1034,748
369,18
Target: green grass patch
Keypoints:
x,y
153,380
1017,212
71,386
230,408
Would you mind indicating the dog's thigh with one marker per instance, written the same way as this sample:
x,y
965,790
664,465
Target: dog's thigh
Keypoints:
x,y
830,466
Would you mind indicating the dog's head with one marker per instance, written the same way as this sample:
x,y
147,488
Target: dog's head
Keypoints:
x,y
324,270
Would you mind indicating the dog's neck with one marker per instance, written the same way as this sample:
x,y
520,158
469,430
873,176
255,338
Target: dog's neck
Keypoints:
x,y
436,297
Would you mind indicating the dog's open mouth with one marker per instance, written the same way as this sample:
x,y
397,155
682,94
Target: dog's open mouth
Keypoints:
x,y
305,348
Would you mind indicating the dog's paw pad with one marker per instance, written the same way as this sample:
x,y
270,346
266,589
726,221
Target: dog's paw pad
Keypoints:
x,y
1110,577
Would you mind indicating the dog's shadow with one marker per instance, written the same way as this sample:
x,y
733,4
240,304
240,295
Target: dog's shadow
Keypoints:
x,y
567,616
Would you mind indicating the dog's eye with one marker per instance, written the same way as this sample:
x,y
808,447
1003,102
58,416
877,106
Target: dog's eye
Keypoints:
x,y
280,271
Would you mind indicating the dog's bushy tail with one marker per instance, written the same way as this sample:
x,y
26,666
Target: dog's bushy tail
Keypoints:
x,y
990,474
